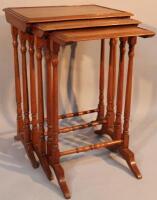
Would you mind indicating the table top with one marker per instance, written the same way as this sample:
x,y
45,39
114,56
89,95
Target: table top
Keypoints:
x,y
69,36
41,28
59,13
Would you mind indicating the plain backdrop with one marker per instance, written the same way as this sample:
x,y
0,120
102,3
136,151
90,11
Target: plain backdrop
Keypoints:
x,y
97,175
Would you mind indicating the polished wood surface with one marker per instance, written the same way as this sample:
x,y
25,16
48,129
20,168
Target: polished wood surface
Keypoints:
x,y
59,13
20,122
127,154
101,106
26,137
100,33
82,126
42,31
120,88
110,115
41,28
92,147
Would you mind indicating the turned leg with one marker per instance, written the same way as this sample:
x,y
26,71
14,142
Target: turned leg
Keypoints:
x,y
37,136
38,133
27,132
101,106
17,84
124,150
110,116
119,103
101,83
53,148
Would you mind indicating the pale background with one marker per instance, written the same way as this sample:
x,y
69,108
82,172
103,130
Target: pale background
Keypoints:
x,y
97,175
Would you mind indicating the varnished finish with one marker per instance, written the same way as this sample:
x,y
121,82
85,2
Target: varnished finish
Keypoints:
x,y
49,93
68,115
54,157
76,114
37,132
54,115
120,88
81,126
111,86
131,42
69,36
20,123
27,132
60,13
41,28
33,87
38,44
91,147
101,106
124,150
44,30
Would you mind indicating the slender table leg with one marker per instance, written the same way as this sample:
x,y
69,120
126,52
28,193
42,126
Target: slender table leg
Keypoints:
x,y
111,89
48,96
124,150
27,132
39,138
53,129
101,106
101,82
17,84
118,121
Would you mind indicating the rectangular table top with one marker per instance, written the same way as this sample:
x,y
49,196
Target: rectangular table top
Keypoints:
x,y
59,13
41,28
69,36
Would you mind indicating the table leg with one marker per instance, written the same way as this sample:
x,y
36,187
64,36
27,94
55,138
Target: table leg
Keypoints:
x,y
27,132
101,82
120,88
53,129
101,106
39,137
110,116
20,122
124,150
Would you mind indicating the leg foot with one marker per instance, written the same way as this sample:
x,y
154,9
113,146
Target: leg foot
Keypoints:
x,y
128,155
61,180
45,165
30,154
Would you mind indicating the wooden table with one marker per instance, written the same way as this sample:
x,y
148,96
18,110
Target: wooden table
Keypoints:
x,y
49,28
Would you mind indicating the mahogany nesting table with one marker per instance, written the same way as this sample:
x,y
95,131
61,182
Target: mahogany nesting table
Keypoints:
x,y
44,30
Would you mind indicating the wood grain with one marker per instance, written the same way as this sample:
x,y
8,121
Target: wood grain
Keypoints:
x,y
69,36
41,28
59,13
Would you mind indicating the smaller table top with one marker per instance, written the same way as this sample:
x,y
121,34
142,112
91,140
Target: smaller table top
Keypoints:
x,y
41,28
69,36
59,13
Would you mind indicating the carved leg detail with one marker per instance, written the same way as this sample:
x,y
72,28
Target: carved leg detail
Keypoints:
x,y
128,155
101,106
124,150
110,116
39,139
14,32
26,138
107,128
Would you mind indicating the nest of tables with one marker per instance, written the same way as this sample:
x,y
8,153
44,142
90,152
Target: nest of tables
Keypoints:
x,y
49,28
